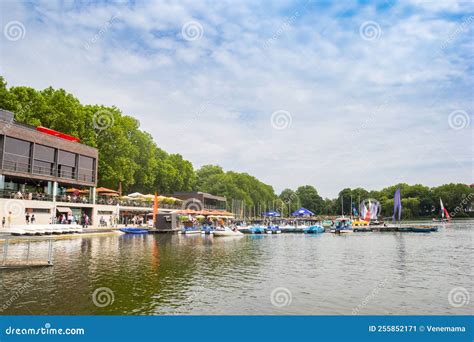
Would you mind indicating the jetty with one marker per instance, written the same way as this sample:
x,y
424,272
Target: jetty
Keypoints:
x,y
25,261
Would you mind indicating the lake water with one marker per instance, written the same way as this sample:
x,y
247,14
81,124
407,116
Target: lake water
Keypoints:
x,y
363,273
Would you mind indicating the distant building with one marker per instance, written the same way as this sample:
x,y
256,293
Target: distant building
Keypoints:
x,y
195,199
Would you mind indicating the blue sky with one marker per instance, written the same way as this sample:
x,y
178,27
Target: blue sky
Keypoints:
x,y
333,94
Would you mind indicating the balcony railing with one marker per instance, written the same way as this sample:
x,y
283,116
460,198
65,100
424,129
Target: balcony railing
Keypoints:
x,y
66,198
25,195
38,170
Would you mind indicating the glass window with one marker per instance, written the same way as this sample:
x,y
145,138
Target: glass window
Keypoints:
x,y
17,154
44,153
86,168
43,168
66,171
67,158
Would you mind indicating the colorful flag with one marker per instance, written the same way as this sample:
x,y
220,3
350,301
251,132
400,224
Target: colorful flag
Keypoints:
x,y
397,205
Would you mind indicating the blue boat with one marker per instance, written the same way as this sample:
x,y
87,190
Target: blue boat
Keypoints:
x,y
207,229
129,230
314,230
273,230
423,229
191,230
257,230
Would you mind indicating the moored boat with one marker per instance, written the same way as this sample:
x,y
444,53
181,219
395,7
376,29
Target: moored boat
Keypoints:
x,y
272,230
257,230
191,230
314,230
342,225
226,231
129,230
207,230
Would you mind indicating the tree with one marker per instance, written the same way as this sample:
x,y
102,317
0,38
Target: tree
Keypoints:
x,y
309,198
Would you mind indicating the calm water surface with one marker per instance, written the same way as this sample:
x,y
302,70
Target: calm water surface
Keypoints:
x,y
364,273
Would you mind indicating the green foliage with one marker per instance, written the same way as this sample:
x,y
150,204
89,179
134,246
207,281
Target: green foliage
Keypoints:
x,y
238,186
309,198
130,156
127,155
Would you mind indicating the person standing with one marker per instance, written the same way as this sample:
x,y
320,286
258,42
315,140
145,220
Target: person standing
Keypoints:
x,y
27,218
33,219
3,222
9,220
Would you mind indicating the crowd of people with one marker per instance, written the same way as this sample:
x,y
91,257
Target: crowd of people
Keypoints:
x,y
84,220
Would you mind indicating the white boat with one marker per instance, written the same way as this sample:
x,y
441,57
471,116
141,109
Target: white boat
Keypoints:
x,y
227,232
344,231
18,231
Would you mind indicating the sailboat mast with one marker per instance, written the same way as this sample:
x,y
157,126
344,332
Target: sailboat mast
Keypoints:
x,y
351,208
342,205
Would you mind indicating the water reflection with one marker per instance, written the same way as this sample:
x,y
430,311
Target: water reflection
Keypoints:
x,y
177,274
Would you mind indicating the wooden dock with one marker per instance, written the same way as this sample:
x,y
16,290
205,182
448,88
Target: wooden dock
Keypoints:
x,y
23,264
26,262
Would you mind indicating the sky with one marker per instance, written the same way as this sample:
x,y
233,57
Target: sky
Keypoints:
x,y
332,94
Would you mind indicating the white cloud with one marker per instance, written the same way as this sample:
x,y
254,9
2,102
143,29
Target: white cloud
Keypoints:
x,y
364,113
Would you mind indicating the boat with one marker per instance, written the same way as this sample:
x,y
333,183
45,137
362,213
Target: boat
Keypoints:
x,y
226,231
360,223
314,230
272,230
327,223
18,231
207,230
129,230
423,229
342,225
257,230
444,214
191,230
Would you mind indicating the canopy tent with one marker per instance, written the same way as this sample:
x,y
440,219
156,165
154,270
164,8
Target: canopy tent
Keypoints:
x,y
78,191
109,194
64,210
302,212
106,190
136,195
272,214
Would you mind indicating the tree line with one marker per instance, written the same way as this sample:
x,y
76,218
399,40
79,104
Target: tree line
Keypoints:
x,y
417,200
129,156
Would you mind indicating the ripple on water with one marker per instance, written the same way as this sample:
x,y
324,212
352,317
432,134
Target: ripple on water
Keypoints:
x,y
365,273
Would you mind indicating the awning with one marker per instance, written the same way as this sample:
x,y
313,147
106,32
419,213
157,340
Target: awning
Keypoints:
x,y
64,210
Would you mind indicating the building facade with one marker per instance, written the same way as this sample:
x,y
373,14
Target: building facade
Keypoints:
x,y
53,176
44,173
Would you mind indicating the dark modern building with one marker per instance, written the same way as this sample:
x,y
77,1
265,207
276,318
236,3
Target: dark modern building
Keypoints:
x,y
41,164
